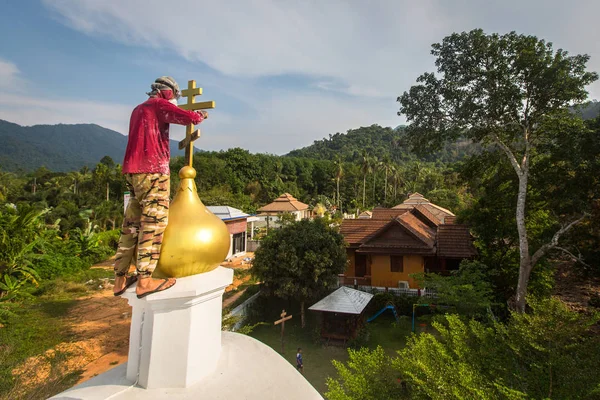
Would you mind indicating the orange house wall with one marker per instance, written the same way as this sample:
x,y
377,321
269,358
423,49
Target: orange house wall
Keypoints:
x,y
381,274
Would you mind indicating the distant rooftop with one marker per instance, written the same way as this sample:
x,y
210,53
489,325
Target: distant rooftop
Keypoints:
x,y
284,203
226,212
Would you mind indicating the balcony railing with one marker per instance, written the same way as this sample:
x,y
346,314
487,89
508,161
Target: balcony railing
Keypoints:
x,y
363,283
354,280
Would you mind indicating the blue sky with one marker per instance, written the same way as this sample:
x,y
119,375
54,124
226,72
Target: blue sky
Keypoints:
x,y
283,73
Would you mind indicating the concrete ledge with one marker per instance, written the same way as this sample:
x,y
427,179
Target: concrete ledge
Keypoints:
x,y
247,369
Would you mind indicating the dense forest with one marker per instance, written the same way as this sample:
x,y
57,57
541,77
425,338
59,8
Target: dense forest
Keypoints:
x,y
60,148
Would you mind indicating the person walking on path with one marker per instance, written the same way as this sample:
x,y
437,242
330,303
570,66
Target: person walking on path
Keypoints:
x,y
146,170
299,362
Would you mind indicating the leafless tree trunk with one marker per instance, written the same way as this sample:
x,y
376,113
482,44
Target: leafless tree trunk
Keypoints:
x,y
526,261
302,314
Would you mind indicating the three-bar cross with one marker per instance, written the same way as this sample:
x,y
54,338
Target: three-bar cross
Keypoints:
x,y
282,322
190,134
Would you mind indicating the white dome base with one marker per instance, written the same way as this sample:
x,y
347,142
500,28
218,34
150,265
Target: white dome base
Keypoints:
x,y
247,369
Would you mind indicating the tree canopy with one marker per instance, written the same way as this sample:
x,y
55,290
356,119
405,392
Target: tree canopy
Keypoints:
x,y
510,91
301,260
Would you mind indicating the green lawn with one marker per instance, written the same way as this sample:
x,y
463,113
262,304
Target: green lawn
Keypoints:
x,y
38,326
317,357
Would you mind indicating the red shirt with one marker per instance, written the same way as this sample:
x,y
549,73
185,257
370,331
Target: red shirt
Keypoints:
x,y
148,145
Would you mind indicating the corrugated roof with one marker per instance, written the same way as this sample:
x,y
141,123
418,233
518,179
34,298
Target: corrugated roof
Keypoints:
x,y
284,203
226,212
356,231
344,301
454,241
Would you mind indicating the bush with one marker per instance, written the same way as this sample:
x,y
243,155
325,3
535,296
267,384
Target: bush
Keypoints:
x,y
362,338
109,239
403,303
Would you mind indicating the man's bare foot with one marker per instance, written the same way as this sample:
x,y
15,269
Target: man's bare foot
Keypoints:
x,y
149,285
122,283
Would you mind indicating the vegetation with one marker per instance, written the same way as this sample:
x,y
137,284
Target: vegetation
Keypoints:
x,y
60,148
510,91
505,151
301,260
547,353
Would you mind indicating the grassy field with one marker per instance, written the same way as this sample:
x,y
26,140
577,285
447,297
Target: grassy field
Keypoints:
x,y
37,327
317,357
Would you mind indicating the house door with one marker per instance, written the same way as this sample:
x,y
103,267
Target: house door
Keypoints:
x,y
239,242
360,264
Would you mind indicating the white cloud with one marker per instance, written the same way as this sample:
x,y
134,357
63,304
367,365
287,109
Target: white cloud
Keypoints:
x,y
354,58
10,76
363,49
25,110
347,46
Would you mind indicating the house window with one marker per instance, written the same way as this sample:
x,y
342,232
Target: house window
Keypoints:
x,y
397,263
239,242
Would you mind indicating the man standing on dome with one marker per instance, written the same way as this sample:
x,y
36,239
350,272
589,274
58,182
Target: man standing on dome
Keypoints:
x,y
146,170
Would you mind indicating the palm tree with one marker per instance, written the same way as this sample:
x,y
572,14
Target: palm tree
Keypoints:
x,y
339,172
397,179
386,166
375,164
366,169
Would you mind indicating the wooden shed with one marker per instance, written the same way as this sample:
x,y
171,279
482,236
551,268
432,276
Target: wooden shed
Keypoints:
x,y
342,313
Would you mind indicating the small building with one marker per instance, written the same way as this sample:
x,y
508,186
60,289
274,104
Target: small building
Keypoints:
x,y
237,225
365,215
342,313
286,203
413,237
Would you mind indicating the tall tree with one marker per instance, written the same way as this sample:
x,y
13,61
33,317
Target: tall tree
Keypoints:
x,y
374,167
300,260
365,169
498,90
339,173
386,165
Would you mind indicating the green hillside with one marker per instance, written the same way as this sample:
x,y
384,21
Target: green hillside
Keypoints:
x,y
377,141
60,147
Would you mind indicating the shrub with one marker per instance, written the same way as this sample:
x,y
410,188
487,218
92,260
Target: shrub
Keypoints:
x,y
109,239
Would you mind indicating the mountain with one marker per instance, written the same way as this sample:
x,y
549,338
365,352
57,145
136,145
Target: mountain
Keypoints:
x,y
380,142
589,110
60,147
389,143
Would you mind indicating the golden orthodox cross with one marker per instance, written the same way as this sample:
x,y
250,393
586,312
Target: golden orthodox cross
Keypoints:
x,y
190,134
282,322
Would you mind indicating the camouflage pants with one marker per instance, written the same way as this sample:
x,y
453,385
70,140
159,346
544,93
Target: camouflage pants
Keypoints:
x,y
144,223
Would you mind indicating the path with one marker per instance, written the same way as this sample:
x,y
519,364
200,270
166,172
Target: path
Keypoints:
x,y
100,325
233,298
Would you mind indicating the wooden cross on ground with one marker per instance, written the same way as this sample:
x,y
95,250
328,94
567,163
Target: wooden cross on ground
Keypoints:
x,y
282,322
190,134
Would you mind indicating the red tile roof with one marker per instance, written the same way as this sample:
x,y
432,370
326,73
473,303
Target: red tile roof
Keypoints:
x,y
429,217
411,232
356,231
387,213
418,228
454,241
